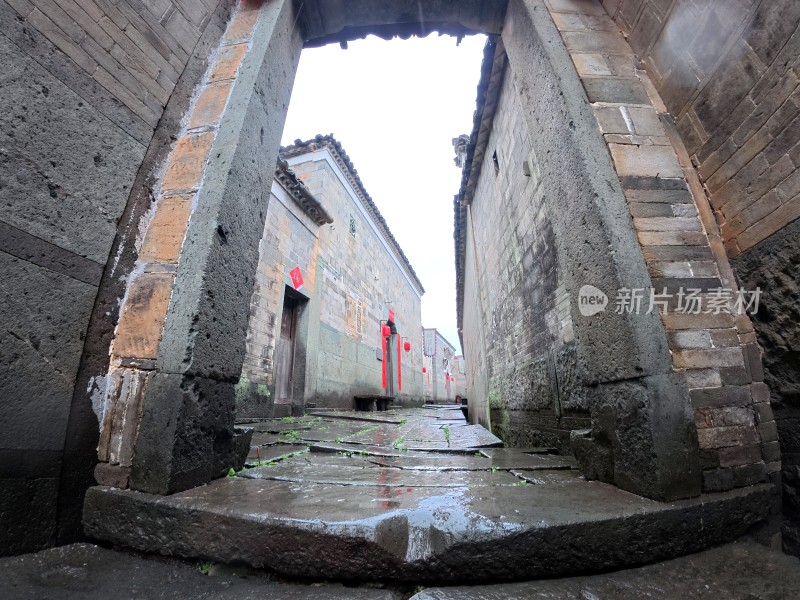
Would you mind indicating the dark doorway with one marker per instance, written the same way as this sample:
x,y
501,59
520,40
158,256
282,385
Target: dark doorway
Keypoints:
x,y
284,354
390,365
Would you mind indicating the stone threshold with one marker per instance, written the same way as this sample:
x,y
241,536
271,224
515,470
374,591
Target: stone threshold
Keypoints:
x,y
472,533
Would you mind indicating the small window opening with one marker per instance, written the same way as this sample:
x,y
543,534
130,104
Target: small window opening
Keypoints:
x,y
352,226
496,163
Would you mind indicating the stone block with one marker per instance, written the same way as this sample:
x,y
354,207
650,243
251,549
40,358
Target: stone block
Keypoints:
x,y
165,233
718,480
595,42
208,108
688,338
723,437
69,177
725,338
667,224
646,121
143,313
679,196
746,475
227,62
721,396
585,7
44,316
668,451
618,90
241,26
676,321
739,455
752,362
111,475
703,378
186,434
760,392
768,431
591,64
764,412
725,416
771,451
675,246
596,459
645,161
569,22
186,162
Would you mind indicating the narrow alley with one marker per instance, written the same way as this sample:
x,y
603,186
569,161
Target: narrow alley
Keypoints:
x,y
566,368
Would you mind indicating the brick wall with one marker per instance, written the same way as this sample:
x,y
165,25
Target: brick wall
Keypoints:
x,y
728,74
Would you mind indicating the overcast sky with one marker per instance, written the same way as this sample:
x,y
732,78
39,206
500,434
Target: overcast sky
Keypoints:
x,y
395,107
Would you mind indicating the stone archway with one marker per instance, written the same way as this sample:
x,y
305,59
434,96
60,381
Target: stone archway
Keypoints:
x,y
178,348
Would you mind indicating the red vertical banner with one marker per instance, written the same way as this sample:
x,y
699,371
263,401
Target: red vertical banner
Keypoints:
x,y
383,364
399,365
385,333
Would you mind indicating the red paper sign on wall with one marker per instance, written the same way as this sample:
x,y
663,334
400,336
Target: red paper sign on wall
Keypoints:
x,y
297,278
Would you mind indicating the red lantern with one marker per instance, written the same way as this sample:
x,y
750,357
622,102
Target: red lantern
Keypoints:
x,y
424,370
386,331
407,346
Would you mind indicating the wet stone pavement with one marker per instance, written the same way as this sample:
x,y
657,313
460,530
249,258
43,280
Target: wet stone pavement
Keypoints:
x,y
413,496
738,571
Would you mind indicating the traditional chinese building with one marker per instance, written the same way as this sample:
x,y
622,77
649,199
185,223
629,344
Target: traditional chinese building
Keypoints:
x,y
336,307
439,367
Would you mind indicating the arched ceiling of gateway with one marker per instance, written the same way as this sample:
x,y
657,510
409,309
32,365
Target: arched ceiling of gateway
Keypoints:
x,y
338,21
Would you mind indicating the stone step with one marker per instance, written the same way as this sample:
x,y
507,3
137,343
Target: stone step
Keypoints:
x,y
467,533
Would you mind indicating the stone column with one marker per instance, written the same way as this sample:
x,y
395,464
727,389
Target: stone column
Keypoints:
x,y
180,343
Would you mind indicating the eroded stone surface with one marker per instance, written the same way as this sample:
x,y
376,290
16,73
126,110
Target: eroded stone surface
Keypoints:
x,y
86,572
740,571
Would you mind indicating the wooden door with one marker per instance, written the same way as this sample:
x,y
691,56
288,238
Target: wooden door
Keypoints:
x,y
284,352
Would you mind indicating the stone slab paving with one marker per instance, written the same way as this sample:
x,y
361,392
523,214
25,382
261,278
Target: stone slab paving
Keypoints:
x,y
455,462
390,416
87,572
740,571
415,501
344,474
261,455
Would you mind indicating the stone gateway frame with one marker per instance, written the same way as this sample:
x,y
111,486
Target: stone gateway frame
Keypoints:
x,y
154,335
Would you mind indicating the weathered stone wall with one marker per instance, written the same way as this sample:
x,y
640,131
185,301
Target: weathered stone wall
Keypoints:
x,y
728,73
772,266
714,364
357,278
85,86
291,239
520,309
